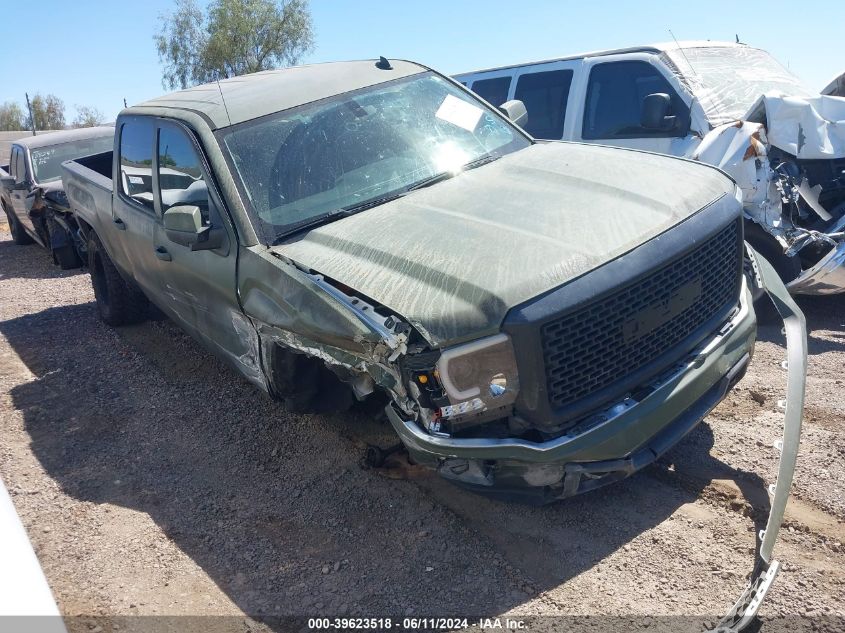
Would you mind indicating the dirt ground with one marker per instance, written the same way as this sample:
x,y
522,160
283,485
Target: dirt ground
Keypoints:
x,y
154,481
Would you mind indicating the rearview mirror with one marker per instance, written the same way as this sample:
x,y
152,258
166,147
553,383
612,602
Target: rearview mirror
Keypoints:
x,y
515,111
654,114
184,224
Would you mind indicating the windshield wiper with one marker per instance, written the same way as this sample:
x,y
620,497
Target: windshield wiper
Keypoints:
x,y
344,212
310,223
431,180
445,175
331,216
482,160
369,204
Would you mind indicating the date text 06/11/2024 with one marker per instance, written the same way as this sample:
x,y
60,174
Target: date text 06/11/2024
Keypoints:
x,y
415,624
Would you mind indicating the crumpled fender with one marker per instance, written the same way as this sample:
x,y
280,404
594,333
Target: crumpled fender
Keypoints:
x,y
740,150
765,567
805,127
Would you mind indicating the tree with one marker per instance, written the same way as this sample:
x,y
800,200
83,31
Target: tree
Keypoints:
x,y
48,112
12,117
232,38
87,116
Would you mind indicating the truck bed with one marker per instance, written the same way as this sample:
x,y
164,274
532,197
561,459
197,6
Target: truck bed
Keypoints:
x,y
88,185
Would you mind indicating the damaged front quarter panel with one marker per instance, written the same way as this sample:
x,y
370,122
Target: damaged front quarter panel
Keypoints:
x,y
300,311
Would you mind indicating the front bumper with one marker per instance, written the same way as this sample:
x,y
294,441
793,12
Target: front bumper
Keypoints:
x,y
612,444
765,567
827,277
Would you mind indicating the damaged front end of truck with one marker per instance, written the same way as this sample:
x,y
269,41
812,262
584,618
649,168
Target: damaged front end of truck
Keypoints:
x,y
453,408
785,148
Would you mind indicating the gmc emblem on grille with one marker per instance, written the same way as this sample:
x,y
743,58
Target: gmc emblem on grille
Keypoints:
x,y
661,311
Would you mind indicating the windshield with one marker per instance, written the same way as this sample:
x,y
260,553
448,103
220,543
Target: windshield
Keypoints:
x,y
47,161
300,165
727,80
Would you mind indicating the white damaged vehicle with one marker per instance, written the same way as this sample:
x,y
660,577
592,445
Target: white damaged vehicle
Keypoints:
x,y
729,105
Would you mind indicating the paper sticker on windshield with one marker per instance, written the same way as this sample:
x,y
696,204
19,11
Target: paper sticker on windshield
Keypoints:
x,y
459,112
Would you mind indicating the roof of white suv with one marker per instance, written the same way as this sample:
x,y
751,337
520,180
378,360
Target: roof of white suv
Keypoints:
x,y
660,47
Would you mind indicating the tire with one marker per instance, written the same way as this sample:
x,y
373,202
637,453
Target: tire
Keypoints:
x,y
787,268
19,236
117,302
66,256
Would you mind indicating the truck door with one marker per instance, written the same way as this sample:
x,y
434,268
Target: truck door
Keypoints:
x,y
621,105
20,173
198,288
134,216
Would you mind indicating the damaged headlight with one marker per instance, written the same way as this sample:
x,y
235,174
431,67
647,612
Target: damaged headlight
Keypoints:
x,y
478,376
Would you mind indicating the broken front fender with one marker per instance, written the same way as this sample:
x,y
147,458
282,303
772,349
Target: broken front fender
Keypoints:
x,y
765,567
301,312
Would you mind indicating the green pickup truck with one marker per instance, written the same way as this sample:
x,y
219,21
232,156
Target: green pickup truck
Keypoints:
x,y
543,317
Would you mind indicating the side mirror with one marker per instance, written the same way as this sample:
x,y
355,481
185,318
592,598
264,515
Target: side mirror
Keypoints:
x,y
654,114
8,182
183,224
515,111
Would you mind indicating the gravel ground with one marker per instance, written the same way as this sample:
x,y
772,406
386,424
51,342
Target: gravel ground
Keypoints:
x,y
154,481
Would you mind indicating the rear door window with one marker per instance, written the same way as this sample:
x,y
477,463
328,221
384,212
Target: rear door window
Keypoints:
x,y
545,95
615,94
494,91
137,138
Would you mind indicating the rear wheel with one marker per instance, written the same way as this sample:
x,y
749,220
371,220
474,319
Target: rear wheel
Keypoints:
x,y
65,256
117,302
19,236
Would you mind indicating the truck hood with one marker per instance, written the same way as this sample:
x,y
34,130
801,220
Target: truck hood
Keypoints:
x,y
453,258
806,127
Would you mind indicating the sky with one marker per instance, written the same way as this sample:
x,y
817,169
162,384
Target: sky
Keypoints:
x,y
100,52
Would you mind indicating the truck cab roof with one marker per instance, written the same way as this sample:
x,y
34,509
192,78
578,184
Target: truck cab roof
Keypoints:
x,y
232,101
64,136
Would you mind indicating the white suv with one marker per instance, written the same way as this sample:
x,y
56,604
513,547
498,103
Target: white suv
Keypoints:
x,y
726,104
